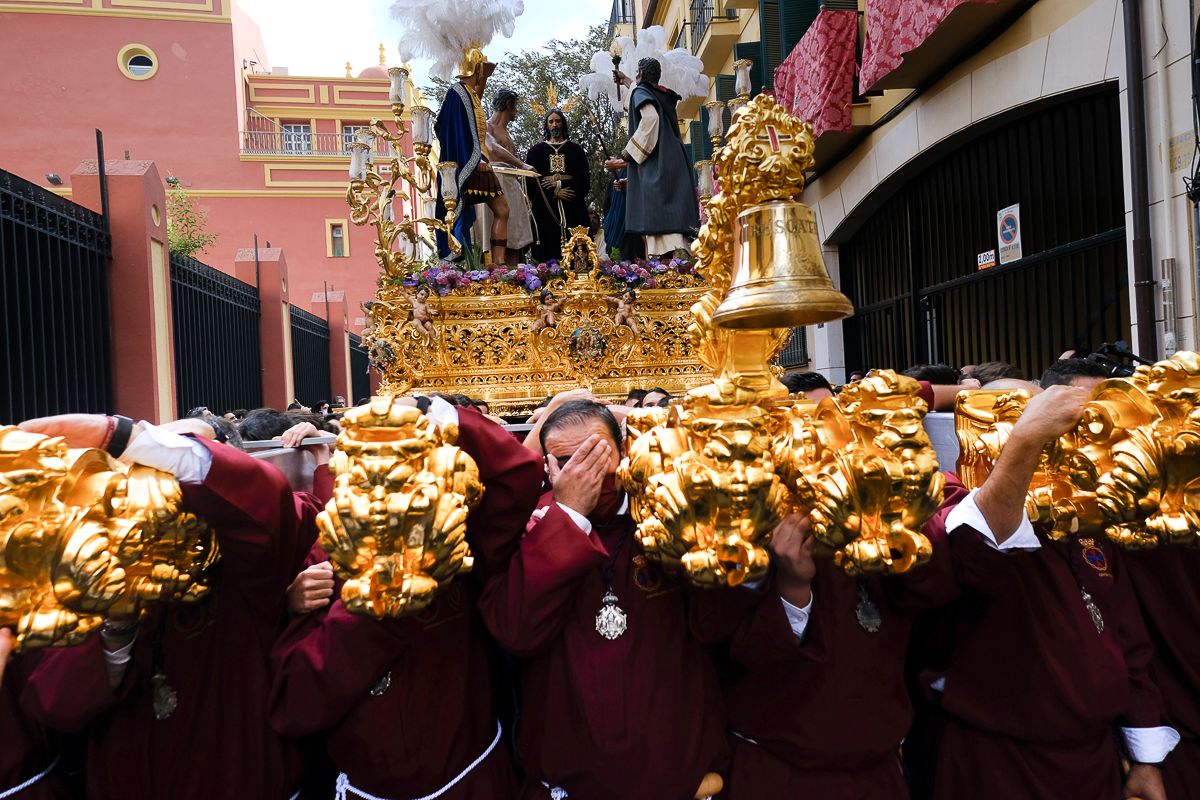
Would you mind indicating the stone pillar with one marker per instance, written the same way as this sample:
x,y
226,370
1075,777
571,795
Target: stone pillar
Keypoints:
x,y
275,321
332,306
139,281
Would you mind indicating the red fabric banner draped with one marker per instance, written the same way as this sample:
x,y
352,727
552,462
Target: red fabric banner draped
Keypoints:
x,y
816,81
896,27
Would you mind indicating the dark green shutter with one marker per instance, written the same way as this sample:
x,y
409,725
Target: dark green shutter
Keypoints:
x,y
795,18
753,52
770,36
700,145
726,85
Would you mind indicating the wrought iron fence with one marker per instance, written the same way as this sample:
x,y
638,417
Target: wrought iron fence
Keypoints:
x,y
310,357
701,14
360,364
217,359
795,352
54,258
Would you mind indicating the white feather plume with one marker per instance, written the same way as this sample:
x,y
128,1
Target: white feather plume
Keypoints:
x,y
681,70
442,30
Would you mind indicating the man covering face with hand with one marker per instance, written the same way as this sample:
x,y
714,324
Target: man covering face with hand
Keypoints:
x,y
619,699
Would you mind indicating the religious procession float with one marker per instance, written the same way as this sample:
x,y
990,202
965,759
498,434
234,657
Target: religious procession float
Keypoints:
x,y
709,478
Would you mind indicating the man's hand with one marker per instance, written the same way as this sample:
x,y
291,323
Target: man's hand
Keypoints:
x,y
312,589
1145,783
621,78
793,545
615,164
549,182
80,430
295,435
6,646
1051,414
577,485
565,194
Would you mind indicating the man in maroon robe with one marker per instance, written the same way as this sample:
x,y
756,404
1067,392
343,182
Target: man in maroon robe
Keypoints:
x,y
30,755
176,707
822,707
1050,661
618,699
406,704
1167,583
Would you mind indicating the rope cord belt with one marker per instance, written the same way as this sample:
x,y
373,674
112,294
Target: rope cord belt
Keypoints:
x,y
22,787
344,788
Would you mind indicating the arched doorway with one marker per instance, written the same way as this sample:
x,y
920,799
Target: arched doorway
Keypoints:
x,y
911,268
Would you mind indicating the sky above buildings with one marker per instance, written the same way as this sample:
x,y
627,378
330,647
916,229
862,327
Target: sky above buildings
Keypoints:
x,y
318,37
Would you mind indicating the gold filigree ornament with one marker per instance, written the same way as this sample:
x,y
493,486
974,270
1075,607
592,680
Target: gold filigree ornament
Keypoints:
x,y
1130,468
711,477
82,537
395,529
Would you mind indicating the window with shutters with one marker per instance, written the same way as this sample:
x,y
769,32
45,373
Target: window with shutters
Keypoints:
x,y
795,18
770,39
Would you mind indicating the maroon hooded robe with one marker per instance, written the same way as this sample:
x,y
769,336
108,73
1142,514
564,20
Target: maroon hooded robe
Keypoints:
x,y
406,704
1033,691
638,717
824,715
214,654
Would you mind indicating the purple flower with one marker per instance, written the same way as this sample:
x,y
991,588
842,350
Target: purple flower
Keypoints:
x,y
411,280
533,283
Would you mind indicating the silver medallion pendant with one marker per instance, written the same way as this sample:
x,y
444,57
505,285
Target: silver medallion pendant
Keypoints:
x,y
869,618
610,621
162,697
382,685
1094,610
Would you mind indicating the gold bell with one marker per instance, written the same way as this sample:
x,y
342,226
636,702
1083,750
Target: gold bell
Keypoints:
x,y
779,277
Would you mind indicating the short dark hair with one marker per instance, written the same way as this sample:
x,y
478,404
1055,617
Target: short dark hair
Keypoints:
x,y
294,406
806,382
456,400
197,412
658,389
505,99
1062,372
578,412
940,374
226,431
636,394
264,423
651,70
990,371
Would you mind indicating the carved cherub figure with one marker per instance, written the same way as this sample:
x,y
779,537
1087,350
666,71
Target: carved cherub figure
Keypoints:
x,y
548,308
625,312
423,316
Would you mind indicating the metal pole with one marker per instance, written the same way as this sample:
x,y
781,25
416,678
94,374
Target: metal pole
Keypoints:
x,y
257,282
1143,267
103,178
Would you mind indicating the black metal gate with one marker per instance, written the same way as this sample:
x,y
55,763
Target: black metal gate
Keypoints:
x,y
310,357
54,258
217,359
360,379
911,269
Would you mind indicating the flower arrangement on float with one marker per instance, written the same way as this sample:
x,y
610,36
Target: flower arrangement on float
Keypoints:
x,y
444,277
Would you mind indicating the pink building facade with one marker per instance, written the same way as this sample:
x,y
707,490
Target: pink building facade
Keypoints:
x,y
188,85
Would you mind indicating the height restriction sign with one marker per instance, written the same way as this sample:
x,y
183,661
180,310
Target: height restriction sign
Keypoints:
x,y
1008,233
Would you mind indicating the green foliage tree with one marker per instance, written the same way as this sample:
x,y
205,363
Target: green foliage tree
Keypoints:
x,y
561,63
186,234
